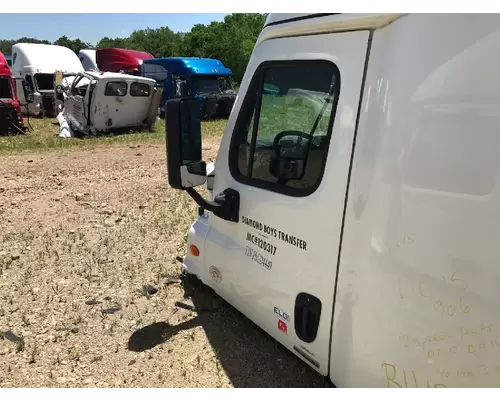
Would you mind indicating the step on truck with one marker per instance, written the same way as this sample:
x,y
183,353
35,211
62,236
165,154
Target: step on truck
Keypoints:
x,y
354,202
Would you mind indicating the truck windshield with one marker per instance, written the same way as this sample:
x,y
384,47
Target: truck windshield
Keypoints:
x,y
44,81
5,88
212,84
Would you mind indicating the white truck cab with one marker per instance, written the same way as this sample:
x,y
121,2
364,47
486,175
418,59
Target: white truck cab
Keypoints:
x,y
103,102
36,64
354,209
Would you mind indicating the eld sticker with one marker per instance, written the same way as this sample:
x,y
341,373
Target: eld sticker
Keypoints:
x,y
282,314
282,327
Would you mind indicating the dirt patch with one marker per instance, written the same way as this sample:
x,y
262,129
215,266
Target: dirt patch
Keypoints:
x,y
88,281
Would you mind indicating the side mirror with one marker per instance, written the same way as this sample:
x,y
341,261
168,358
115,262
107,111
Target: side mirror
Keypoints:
x,y
184,164
183,143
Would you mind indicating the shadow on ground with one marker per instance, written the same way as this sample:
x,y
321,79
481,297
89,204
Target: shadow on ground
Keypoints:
x,y
250,357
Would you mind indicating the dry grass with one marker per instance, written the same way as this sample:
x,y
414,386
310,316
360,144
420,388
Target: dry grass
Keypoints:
x,y
82,232
44,136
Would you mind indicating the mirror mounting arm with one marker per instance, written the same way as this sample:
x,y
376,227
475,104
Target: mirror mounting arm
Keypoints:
x,y
226,205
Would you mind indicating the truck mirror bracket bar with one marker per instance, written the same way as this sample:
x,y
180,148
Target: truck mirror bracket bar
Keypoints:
x,y
226,205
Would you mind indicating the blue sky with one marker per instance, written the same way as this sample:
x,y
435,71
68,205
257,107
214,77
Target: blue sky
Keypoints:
x,y
92,27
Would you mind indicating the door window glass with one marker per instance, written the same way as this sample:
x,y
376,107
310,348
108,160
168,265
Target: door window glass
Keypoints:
x,y
116,89
281,139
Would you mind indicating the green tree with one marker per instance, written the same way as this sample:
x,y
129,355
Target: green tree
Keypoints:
x,y
105,42
230,41
160,42
6,45
76,45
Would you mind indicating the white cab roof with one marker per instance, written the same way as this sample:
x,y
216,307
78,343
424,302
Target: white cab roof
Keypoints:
x,y
45,58
288,25
119,77
282,17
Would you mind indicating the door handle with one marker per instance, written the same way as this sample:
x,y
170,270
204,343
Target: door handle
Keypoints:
x,y
307,316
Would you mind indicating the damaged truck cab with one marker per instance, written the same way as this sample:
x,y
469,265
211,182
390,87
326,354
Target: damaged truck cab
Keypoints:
x,y
356,195
100,102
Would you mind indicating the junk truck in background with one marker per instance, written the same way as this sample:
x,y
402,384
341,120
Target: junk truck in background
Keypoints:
x,y
120,60
36,65
11,119
206,79
114,60
103,102
88,59
354,204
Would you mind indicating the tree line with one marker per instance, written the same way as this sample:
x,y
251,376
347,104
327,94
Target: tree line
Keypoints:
x,y
230,41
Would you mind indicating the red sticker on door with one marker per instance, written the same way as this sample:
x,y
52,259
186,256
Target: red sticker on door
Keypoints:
x,y
282,327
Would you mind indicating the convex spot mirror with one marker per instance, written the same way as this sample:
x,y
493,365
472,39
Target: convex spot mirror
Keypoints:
x,y
185,166
291,149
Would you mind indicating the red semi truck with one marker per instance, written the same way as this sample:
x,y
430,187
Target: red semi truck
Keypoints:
x,y
120,60
11,119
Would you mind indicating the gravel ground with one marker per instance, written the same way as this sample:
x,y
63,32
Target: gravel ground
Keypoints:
x,y
88,288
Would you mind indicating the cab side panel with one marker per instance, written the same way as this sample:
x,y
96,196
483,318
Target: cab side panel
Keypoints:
x,y
417,296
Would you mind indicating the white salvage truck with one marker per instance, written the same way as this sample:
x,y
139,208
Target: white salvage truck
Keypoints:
x,y
103,102
34,65
362,232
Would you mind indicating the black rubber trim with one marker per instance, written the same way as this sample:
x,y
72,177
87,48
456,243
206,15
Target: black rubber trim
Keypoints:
x,y
346,201
310,16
